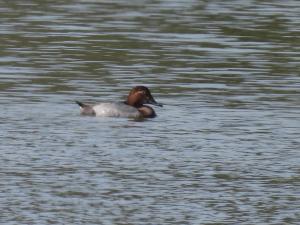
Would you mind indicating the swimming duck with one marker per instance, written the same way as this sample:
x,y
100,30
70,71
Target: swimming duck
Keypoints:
x,y
132,107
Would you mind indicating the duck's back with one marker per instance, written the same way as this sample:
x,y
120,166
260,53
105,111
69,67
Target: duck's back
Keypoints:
x,y
115,110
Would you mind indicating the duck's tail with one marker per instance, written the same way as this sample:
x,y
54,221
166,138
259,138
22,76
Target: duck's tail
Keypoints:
x,y
85,109
82,105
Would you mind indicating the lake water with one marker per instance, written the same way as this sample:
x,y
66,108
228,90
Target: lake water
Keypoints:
x,y
224,149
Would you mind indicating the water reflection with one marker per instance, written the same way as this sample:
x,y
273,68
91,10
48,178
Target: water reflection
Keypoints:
x,y
224,149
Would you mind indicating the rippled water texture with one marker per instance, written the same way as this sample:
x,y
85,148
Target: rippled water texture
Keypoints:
x,y
223,150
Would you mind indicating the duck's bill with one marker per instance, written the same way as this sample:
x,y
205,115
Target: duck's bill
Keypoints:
x,y
158,104
153,102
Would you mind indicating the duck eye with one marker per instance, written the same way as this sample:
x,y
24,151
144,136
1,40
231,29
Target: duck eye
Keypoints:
x,y
142,92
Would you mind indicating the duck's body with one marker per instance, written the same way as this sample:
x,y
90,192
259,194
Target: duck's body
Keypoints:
x,y
133,107
118,109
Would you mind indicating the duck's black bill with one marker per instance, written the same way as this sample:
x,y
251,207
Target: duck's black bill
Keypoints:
x,y
153,102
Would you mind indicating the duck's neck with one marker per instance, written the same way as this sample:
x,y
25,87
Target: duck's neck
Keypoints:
x,y
133,101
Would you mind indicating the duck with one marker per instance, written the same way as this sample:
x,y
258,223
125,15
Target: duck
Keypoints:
x,y
133,107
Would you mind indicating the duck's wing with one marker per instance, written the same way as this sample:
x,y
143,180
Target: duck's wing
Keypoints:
x,y
115,110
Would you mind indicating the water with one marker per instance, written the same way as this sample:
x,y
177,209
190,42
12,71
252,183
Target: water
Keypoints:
x,y
223,150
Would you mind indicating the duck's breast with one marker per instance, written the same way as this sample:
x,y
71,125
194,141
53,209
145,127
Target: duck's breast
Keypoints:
x,y
115,110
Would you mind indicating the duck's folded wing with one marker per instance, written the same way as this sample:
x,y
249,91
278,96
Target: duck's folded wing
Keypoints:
x,y
115,110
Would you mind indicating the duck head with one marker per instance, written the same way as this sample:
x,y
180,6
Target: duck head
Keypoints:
x,y
139,96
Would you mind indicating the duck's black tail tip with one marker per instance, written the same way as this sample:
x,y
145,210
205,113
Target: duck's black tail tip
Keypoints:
x,y
81,104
